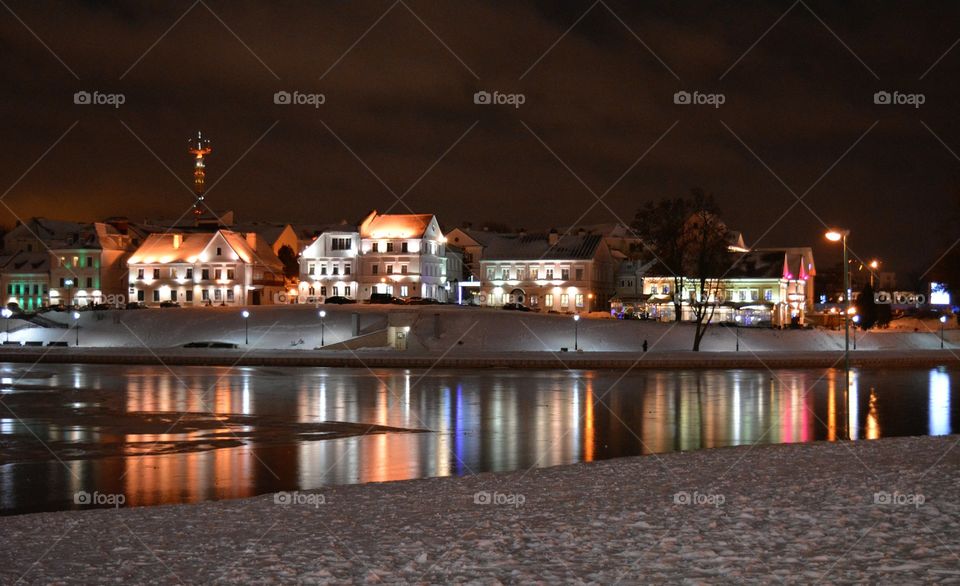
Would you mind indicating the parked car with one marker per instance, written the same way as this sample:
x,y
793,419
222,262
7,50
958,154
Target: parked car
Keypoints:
x,y
169,304
384,299
338,300
101,307
516,307
422,301
136,305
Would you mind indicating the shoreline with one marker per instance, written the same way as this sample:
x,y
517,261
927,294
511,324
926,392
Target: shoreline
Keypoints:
x,y
794,512
479,360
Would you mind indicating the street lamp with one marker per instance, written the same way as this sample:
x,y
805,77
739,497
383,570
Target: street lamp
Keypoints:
x,y
76,319
323,314
246,326
841,236
737,319
69,285
874,265
943,320
576,332
6,315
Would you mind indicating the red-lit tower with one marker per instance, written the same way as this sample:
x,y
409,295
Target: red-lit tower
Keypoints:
x,y
199,147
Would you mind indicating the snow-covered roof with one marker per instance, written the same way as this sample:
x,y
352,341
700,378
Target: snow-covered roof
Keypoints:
x,y
180,247
59,234
26,262
395,225
538,247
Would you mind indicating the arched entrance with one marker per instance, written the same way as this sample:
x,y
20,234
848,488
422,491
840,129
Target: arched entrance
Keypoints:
x,y
517,296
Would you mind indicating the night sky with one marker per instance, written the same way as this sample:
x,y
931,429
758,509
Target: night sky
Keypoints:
x,y
399,82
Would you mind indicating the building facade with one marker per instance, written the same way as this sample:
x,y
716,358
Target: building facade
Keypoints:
x,y
329,267
221,267
403,255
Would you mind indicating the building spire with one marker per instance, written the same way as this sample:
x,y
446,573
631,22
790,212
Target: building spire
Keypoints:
x,y
199,147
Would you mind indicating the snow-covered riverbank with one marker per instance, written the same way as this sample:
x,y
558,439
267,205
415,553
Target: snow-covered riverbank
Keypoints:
x,y
873,511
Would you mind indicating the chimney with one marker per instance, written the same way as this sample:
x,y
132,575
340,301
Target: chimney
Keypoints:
x,y
177,240
554,236
252,240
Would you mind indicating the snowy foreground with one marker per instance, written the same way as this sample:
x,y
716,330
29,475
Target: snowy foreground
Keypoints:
x,y
882,511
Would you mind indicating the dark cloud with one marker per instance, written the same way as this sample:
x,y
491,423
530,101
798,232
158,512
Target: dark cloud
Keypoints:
x,y
401,97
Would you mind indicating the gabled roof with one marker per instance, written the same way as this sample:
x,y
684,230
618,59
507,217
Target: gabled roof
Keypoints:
x,y
26,262
537,247
194,245
395,225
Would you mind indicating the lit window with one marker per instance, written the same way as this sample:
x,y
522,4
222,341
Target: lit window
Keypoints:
x,y
549,274
564,300
579,300
548,300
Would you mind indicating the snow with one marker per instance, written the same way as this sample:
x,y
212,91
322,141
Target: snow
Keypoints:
x,y
797,513
462,331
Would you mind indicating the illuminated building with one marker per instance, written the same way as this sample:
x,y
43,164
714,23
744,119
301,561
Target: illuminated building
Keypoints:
x,y
403,255
548,272
329,266
220,267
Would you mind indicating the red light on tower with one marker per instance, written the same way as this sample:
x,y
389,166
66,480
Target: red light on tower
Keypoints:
x,y
199,147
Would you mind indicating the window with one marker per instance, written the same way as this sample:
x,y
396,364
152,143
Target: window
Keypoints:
x,y
404,247
205,295
189,294
323,291
140,295
217,294
768,294
340,243
323,269
375,247
565,274
579,273
346,290
156,273
219,274
219,251
666,289
89,282
336,291
156,295
489,273
564,300
140,274
404,291
346,269
403,269
336,270
310,268
389,269
63,282
520,274
205,274
534,273
533,300
229,294
548,300
505,273
579,300
230,274
89,261
311,291
76,261
375,269
549,274
389,246
36,289
190,272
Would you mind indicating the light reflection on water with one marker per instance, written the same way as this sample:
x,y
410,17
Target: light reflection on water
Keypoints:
x,y
478,421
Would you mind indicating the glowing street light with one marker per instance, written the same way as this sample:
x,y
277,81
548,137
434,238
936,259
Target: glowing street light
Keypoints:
x,y
738,319
69,285
322,314
76,326
6,315
841,236
246,326
576,332
943,320
856,320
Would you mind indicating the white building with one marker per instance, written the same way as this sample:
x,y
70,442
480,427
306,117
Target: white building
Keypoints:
x,y
218,267
403,255
329,266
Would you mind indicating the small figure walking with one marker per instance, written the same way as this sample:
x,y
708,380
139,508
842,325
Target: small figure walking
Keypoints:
x,y
644,345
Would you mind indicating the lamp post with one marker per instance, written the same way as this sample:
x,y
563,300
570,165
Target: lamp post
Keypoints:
x,y
246,326
856,320
76,325
69,285
943,320
874,264
841,236
576,332
737,319
322,314
7,313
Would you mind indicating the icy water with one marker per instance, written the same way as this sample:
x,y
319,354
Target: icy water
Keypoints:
x,y
189,434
